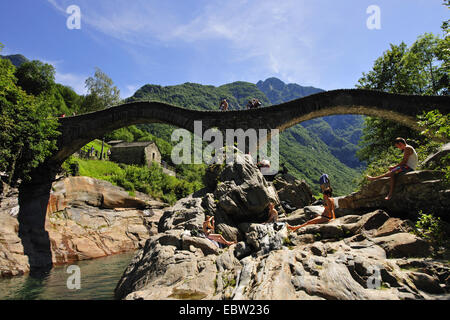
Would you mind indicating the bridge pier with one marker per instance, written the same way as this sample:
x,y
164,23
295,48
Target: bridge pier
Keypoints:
x,y
33,201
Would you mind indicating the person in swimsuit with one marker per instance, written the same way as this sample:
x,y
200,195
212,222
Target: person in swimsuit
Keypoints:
x,y
208,230
326,216
273,213
409,163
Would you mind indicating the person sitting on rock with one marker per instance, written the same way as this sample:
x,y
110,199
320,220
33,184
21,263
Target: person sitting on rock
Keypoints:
x,y
273,214
208,229
408,163
326,216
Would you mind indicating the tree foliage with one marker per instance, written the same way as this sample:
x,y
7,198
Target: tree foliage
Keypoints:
x,y
27,129
35,77
421,69
102,92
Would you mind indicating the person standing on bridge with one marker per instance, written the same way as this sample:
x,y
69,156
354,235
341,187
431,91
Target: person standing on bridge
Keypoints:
x,y
408,163
224,105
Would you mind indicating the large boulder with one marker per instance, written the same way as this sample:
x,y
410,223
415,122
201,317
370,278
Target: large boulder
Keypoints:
x,y
344,259
394,225
86,218
403,245
92,192
294,191
187,213
264,238
236,192
12,259
435,160
414,191
351,257
242,191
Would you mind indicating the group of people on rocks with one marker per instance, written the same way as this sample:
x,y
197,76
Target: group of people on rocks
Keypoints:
x,y
408,163
251,104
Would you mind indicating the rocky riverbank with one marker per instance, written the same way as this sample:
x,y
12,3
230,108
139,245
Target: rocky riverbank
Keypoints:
x,y
86,218
364,254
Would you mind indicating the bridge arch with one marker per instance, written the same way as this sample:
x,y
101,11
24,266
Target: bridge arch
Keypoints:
x,y
77,131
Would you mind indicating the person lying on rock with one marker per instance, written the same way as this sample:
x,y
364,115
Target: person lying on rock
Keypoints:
x,y
208,229
263,164
326,216
273,214
408,163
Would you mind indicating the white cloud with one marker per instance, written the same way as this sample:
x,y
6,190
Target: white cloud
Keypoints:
x,y
270,34
75,81
128,91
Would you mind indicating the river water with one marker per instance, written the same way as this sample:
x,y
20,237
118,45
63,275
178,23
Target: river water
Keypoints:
x,y
98,278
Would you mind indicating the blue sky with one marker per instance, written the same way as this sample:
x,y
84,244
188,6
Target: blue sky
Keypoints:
x,y
322,43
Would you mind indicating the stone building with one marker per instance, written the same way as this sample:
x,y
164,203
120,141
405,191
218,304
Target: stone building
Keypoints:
x,y
139,153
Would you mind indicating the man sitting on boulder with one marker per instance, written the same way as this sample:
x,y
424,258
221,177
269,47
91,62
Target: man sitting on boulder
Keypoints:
x,y
326,216
409,163
208,229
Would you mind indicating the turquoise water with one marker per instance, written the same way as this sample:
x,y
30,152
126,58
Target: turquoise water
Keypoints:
x,y
98,279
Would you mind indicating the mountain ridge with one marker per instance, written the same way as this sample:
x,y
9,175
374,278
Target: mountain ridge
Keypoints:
x,y
16,59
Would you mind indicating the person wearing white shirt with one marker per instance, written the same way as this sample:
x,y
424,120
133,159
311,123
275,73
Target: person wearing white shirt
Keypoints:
x,y
409,163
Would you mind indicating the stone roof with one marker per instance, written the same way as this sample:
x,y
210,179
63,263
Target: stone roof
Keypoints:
x,y
114,142
133,144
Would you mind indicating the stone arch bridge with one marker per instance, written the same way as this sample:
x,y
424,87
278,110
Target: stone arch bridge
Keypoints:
x,y
77,131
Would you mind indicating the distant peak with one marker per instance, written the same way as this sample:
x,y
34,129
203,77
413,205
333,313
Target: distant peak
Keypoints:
x,y
16,59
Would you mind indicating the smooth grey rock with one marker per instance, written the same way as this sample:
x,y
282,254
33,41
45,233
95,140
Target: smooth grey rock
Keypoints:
x,y
403,245
295,192
414,191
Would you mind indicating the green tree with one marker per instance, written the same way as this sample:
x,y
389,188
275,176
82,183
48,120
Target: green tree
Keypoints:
x,y
419,69
102,92
27,131
35,77
71,99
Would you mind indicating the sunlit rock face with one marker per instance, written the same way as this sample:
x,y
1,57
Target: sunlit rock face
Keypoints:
x,y
368,255
86,218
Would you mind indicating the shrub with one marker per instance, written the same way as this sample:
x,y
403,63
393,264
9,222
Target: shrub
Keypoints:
x,y
430,228
151,181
